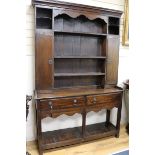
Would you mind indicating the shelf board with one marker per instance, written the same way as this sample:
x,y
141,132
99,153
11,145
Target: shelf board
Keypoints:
x,y
112,34
63,137
80,33
114,25
80,57
80,87
79,74
42,17
99,130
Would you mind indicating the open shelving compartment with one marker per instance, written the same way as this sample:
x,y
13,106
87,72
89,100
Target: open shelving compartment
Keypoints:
x,y
65,23
80,51
78,72
43,18
79,60
63,137
113,25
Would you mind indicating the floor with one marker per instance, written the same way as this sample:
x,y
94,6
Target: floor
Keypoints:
x,y
104,146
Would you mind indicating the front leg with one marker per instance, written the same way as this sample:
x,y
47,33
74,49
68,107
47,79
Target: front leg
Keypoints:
x,y
107,117
118,120
39,132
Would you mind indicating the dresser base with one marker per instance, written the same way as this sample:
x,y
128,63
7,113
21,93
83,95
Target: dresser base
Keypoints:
x,y
57,102
69,136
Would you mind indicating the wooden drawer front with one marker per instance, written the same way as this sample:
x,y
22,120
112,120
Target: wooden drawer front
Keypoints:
x,y
61,103
105,99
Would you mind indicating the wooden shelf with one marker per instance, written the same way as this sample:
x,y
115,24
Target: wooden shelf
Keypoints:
x,y
80,57
114,25
42,17
80,33
79,74
99,130
63,137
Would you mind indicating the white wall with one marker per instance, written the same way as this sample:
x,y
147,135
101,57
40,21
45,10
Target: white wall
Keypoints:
x,y
64,120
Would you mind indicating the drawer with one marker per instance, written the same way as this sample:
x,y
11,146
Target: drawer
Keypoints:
x,y
61,103
104,99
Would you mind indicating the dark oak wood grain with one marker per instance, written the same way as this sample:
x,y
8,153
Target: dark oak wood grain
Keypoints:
x,y
56,93
76,67
108,117
43,69
96,34
103,98
55,107
77,7
64,137
80,57
55,113
112,60
61,104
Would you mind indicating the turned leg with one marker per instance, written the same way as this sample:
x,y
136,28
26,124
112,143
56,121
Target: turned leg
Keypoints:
x,y
83,123
107,117
118,121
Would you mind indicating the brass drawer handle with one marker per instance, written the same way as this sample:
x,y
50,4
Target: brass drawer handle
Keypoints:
x,y
50,104
75,102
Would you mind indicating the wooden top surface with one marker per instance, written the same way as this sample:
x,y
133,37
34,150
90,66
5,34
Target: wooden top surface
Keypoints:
x,y
69,92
